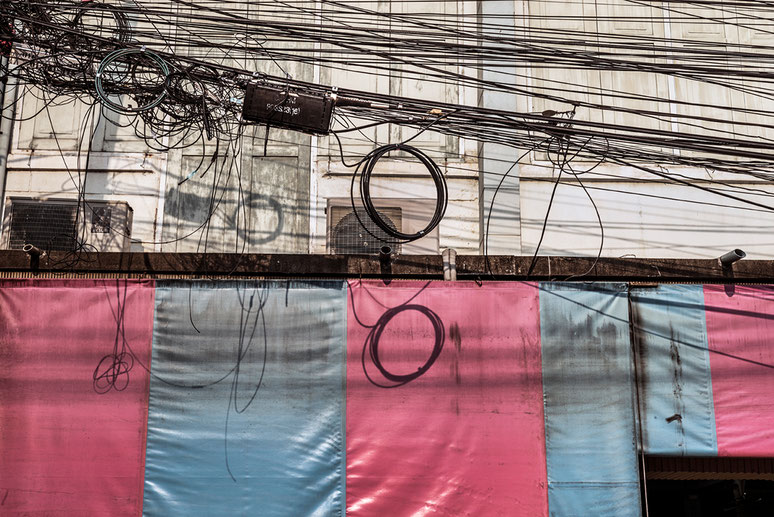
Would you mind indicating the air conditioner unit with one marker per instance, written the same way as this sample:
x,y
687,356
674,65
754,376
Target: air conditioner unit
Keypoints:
x,y
346,235
354,233
50,224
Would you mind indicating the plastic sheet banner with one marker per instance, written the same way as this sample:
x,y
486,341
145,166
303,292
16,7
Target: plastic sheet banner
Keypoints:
x,y
706,369
740,326
73,395
444,400
673,366
591,452
408,398
246,399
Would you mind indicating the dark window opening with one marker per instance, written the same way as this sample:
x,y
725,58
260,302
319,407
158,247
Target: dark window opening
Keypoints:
x,y
709,487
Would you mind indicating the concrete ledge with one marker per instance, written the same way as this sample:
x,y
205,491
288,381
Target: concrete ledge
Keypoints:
x,y
18,264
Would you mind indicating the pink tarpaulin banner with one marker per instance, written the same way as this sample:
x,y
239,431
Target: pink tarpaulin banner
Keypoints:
x,y
74,395
444,400
740,326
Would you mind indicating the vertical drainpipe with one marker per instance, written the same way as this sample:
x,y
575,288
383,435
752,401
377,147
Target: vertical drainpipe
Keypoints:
x,y
313,147
7,93
495,160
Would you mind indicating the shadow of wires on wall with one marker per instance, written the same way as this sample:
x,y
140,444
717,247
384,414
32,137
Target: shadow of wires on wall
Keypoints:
x,y
242,363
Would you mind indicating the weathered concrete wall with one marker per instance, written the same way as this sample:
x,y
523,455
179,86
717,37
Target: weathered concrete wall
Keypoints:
x,y
254,204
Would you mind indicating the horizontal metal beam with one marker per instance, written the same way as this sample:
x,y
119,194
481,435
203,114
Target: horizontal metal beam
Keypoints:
x,y
18,264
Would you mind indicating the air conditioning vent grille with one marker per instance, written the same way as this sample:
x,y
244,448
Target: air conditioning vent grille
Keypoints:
x,y
47,225
349,237
100,219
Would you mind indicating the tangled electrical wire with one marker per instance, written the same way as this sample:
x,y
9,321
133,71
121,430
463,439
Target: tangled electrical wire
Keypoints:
x,y
131,60
176,72
89,51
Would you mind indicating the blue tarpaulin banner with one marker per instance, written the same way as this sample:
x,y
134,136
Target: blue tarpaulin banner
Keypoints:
x,y
591,454
246,400
673,363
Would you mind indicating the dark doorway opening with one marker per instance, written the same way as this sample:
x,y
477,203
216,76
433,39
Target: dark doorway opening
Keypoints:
x,y
709,487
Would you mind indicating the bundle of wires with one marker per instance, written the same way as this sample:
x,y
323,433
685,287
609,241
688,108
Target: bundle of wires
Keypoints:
x,y
62,45
176,71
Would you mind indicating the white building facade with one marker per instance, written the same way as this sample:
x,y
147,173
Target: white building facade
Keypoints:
x,y
288,192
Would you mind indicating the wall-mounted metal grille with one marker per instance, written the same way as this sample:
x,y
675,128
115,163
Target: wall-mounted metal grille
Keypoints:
x,y
347,235
49,225
100,219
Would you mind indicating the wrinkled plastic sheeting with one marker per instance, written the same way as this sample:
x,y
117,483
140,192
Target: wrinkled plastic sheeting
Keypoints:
x,y
589,416
464,438
246,401
740,326
673,366
68,446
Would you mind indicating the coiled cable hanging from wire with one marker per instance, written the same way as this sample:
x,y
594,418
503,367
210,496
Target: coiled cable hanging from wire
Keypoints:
x,y
140,73
95,19
368,163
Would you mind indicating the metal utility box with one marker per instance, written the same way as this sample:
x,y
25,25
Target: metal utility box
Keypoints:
x,y
287,109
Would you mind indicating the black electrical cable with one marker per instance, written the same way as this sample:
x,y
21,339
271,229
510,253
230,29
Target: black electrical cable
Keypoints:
x,y
57,46
368,165
487,85
562,161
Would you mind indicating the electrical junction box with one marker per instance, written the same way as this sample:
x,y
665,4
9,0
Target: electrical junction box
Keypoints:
x,y
287,109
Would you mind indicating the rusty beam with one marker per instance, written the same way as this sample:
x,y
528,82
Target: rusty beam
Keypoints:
x,y
16,263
